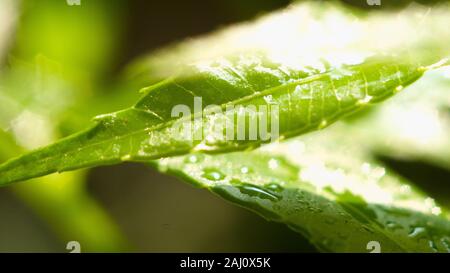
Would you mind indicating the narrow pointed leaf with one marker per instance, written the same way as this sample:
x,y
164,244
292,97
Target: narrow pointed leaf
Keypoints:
x,y
307,98
317,63
334,195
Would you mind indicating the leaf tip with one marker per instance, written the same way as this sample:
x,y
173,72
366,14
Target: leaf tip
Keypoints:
x,y
439,64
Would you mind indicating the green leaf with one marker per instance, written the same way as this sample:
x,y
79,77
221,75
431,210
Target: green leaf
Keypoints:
x,y
364,62
8,14
310,31
308,98
337,196
328,186
414,125
34,99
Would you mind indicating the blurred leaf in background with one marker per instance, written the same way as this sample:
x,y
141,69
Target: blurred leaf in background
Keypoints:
x,y
51,68
83,38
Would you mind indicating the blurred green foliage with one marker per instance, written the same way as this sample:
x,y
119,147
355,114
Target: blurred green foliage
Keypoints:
x,y
51,69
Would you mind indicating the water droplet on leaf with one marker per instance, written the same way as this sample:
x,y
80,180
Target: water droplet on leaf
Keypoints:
x,y
257,191
213,174
417,232
245,170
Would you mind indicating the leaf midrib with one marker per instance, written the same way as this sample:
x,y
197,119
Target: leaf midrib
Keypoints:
x,y
222,106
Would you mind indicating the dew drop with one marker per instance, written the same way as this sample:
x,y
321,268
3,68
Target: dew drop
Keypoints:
x,y
417,232
116,149
393,225
213,174
315,209
433,246
399,88
367,229
365,100
193,158
273,163
274,187
257,191
244,170
323,124
446,242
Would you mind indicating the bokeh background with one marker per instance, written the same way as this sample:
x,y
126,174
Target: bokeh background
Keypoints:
x,y
129,207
